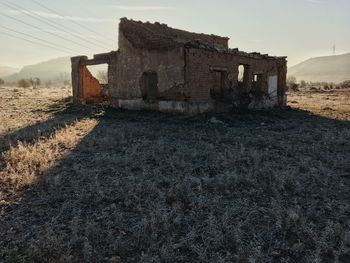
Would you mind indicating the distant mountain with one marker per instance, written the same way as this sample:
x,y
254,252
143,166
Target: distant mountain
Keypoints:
x,y
329,69
6,71
48,70
57,69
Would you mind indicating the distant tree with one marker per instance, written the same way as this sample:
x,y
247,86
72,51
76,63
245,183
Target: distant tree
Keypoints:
x,y
303,84
48,84
345,84
35,82
327,85
291,80
102,77
292,83
24,83
63,78
66,82
2,82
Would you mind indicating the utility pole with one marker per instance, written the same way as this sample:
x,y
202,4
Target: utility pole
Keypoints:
x,y
334,50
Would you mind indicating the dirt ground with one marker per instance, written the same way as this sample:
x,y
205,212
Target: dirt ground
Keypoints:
x,y
93,184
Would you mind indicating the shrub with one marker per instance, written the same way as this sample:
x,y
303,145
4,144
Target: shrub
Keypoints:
x,y
35,82
2,82
292,83
345,84
24,83
291,80
48,84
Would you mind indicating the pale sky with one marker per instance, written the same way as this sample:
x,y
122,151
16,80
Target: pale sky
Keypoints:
x,y
299,29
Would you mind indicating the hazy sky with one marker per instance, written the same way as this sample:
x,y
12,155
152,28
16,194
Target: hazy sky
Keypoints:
x,y
298,29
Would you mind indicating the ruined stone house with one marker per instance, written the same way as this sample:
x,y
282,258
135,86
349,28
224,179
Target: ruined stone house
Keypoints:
x,y
166,69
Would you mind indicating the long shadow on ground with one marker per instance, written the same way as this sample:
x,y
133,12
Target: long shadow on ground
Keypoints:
x,y
63,113
151,187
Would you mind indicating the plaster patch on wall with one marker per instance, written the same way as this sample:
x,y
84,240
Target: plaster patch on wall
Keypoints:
x,y
273,82
172,106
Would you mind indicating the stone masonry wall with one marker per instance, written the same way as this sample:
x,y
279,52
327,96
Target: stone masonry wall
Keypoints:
x,y
92,88
200,74
160,36
187,72
133,62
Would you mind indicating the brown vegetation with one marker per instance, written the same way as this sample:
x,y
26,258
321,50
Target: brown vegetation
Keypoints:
x,y
92,184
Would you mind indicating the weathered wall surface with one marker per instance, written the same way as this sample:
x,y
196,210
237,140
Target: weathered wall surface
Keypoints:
x,y
201,76
112,71
160,36
190,70
86,88
282,80
133,62
188,74
91,86
76,82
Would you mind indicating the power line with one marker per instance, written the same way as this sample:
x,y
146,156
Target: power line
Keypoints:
x,y
55,25
36,18
48,32
31,41
39,39
72,21
18,20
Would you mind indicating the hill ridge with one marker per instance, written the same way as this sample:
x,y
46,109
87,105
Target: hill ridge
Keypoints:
x,y
326,68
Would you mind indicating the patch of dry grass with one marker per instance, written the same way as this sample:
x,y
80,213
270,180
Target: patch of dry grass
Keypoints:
x,y
270,186
22,107
26,163
331,104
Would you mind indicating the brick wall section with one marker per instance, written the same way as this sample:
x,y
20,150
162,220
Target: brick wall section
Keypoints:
x,y
140,36
76,82
200,79
133,62
282,83
160,36
186,66
92,88
112,70
87,88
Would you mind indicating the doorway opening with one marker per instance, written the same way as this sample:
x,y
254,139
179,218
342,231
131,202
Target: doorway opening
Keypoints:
x,y
257,85
149,86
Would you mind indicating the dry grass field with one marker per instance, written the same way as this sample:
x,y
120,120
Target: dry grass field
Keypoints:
x,y
93,184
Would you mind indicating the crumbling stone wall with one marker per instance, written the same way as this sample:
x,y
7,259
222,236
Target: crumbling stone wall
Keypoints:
x,y
113,71
76,81
160,36
282,82
92,88
86,88
188,72
133,62
202,64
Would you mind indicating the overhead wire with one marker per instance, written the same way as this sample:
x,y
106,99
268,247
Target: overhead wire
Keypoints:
x,y
54,24
39,39
41,29
31,41
72,21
